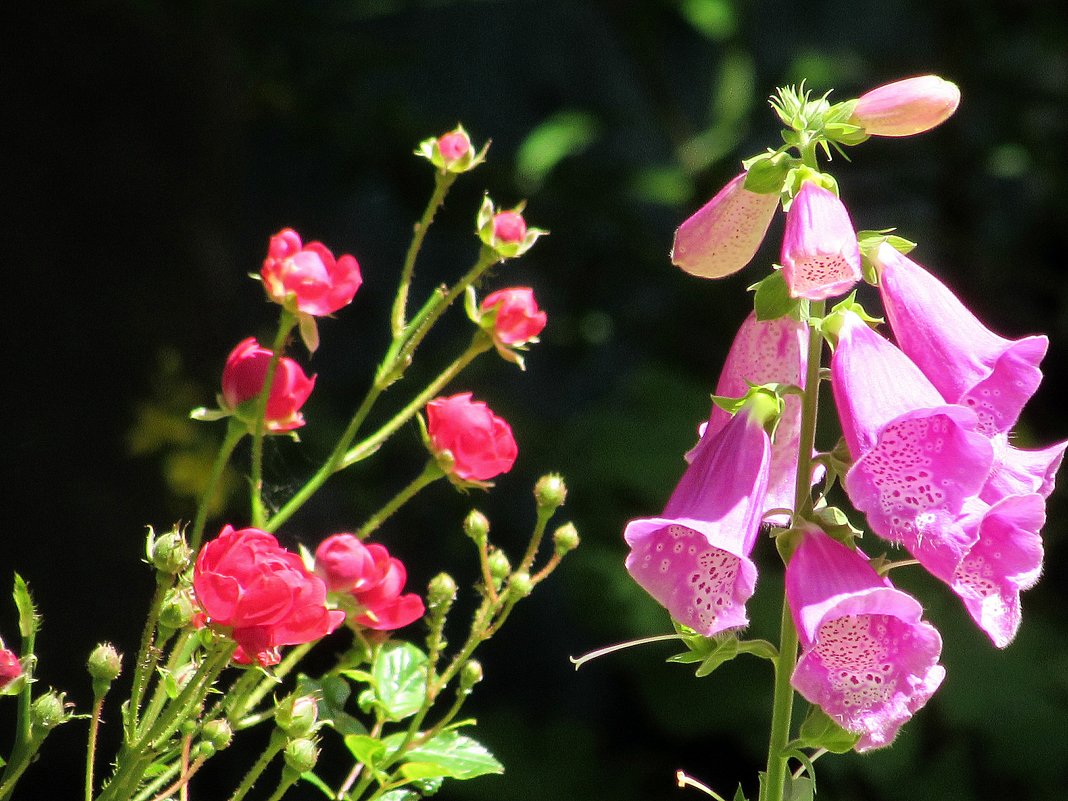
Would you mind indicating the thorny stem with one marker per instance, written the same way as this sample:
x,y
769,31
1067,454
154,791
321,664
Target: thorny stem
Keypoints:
x,y
235,430
785,662
276,744
90,749
285,324
431,473
147,655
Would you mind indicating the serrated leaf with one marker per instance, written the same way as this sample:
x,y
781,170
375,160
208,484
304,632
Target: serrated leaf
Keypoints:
x,y
455,756
772,299
24,603
399,675
332,694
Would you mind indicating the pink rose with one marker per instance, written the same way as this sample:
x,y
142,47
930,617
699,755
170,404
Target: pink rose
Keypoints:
x,y
454,146
10,667
374,580
480,443
319,283
518,318
246,582
509,226
242,381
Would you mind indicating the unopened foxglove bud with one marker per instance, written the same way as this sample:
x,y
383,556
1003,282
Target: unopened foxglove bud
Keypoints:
x,y
906,107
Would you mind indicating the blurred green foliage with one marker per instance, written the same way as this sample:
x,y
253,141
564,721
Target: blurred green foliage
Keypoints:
x,y
152,148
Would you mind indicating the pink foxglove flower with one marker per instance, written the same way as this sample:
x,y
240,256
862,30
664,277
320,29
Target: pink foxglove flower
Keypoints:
x,y
868,660
906,107
248,584
694,558
722,236
820,254
479,442
766,352
916,458
1005,559
1020,472
309,275
518,320
373,580
967,362
242,381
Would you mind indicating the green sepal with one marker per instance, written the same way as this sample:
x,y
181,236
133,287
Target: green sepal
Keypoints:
x,y
28,618
739,794
869,243
800,789
820,730
835,523
766,173
772,299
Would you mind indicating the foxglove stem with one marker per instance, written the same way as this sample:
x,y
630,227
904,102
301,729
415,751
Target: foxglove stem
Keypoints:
x,y
235,430
786,661
285,324
431,473
442,182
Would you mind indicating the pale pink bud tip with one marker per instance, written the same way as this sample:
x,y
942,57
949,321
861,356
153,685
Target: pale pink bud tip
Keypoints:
x,y
906,107
454,146
508,226
722,236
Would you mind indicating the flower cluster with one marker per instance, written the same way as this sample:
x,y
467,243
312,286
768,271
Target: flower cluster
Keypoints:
x,y
926,421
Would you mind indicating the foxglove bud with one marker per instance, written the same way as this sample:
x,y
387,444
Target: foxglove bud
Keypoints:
x,y
820,254
722,236
906,107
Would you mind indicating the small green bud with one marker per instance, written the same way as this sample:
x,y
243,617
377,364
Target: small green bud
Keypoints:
x,y
301,754
499,567
177,610
550,492
187,727
48,711
441,592
218,733
520,586
565,539
205,749
476,526
169,554
105,663
470,675
297,715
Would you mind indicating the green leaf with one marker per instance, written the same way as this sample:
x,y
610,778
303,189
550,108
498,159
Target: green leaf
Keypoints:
x,y
772,299
836,524
799,789
399,679
765,174
332,694
450,755
28,619
399,795
367,749
564,134
819,730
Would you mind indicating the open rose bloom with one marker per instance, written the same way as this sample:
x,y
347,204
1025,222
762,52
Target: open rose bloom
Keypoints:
x,y
242,382
308,275
262,594
479,442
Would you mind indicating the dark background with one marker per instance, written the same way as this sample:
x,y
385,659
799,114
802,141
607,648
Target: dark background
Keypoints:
x,y
150,149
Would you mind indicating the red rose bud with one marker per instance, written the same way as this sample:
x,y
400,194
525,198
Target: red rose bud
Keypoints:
x,y
480,443
506,232
242,382
246,582
308,276
452,152
518,319
508,226
454,146
10,667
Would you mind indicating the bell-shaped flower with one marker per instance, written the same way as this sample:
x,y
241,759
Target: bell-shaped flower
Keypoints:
x,y
820,253
867,658
906,107
694,558
768,352
1017,471
968,363
916,458
1005,559
723,235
